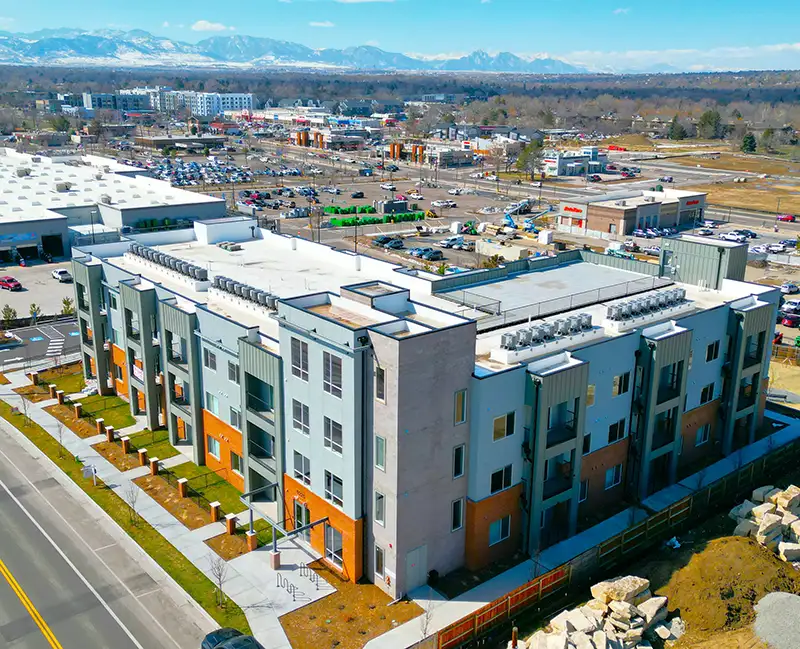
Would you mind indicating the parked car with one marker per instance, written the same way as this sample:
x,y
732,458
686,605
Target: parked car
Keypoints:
x,y
666,179
791,320
454,192
416,196
389,187
611,167
443,203
704,232
642,233
9,283
394,244
381,240
709,224
789,243
790,306
62,275
786,218
595,178
216,638
747,233
653,233
732,236
787,288
392,168
776,248
449,242
759,250
418,252
241,642
654,251
467,246
433,255
357,195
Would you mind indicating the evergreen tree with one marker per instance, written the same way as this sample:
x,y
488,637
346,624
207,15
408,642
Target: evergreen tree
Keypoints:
x,y
676,130
749,143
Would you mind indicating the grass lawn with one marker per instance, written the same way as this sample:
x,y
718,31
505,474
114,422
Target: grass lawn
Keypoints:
x,y
157,444
114,411
173,562
218,489
70,383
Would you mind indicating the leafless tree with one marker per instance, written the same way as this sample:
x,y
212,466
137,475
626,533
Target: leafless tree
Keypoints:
x,y
426,617
60,436
25,406
219,572
131,494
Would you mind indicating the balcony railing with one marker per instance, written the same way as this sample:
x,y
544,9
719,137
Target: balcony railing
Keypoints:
x,y
663,436
557,484
83,305
179,399
668,392
178,359
87,339
747,398
562,432
752,358
259,406
262,455
134,333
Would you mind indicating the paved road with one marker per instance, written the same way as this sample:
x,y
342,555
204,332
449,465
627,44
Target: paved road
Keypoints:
x,y
42,342
68,579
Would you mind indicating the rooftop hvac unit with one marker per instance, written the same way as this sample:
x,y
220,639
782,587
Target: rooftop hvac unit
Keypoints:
x,y
548,330
536,335
612,312
624,310
680,294
161,258
636,307
661,299
184,267
215,284
202,274
172,263
229,285
562,327
239,289
508,341
586,320
524,337
272,302
261,298
253,296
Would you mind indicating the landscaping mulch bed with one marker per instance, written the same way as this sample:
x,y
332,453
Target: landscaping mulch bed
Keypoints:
x,y
113,453
33,393
229,547
66,415
346,619
185,510
4,379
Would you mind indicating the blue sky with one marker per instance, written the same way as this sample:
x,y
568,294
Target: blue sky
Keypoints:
x,y
621,34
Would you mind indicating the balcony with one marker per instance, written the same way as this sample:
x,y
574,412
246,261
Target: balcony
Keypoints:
x,y
134,333
558,484
177,359
263,456
180,400
562,432
663,435
668,392
260,407
747,397
87,339
83,305
752,358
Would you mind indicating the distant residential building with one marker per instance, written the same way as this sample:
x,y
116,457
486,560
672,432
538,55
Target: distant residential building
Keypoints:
x,y
110,101
207,104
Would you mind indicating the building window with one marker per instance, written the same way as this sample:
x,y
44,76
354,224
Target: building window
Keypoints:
x,y
590,395
621,384
457,515
712,351
334,489
209,359
302,468
213,446
458,461
300,359
300,417
333,435
613,476
584,494
703,435
380,383
333,546
460,407
332,374
501,479
380,453
113,301
119,373
503,426
212,404
380,566
236,463
587,443
233,372
236,418
116,337
616,431
707,394
380,508
500,530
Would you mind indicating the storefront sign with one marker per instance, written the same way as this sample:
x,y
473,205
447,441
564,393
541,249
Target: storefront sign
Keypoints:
x,y
577,210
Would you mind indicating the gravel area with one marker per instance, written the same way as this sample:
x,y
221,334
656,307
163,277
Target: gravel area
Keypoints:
x,y
778,620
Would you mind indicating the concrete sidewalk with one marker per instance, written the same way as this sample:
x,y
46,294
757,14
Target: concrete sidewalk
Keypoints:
x,y
250,582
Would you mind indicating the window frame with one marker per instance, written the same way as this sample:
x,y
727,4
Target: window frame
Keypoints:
x,y
329,484
380,384
215,441
305,412
209,359
712,351
380,442
301,476
240,470
212,398
697,436
591,391
463,407
509,416
379,498
238,424
460,503
299,365
583,491
329,385
616,479
617,425
709,394
463,449
505,521
507,469
328,441
621,384
379,551
235,367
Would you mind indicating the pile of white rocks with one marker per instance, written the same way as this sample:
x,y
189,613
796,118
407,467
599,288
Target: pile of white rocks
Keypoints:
x,y
772,518
622,615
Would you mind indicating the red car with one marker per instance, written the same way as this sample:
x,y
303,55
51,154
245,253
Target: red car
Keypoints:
x,y
790,218
791,320
10,284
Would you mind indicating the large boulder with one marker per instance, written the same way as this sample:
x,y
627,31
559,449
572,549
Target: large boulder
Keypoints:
x,y
746,527
789,551
621,589
742,511
762,510
654,610
760,494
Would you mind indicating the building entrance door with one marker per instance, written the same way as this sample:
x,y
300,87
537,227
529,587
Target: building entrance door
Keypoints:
x,y
302,516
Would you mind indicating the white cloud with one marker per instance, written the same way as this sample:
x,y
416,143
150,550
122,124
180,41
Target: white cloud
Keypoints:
x,y
321,23
621,10
373,43
208,26
288,2
165,24
485,2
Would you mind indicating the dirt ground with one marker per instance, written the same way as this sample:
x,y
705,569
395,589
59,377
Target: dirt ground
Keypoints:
x,y
113,453
755,194
754,164
346,619
66,415
34,393
184,509
229,547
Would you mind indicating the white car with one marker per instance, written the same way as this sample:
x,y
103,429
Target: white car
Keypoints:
x,y
709,224
443,203
62,275
704,232
389,187
416,196
789,288
758,250
454,192
776,248
732,236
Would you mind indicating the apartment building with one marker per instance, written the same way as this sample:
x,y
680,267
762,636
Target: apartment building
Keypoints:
x,y
206,104
421,423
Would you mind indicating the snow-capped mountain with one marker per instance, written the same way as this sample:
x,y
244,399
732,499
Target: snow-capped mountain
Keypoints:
x,y
138,48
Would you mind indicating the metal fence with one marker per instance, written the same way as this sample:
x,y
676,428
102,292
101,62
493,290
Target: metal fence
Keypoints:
x,y
573,577
193,485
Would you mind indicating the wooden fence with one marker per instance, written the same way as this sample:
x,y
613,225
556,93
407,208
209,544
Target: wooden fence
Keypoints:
x,y
577,573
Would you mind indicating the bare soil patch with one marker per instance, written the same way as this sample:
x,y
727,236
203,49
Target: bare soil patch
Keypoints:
x,y
113,453
66,415
184,509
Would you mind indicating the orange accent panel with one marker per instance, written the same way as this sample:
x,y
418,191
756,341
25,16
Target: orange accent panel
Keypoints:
x,y
140,400
230,440
480,515
181,427
119,358
352,530
92,366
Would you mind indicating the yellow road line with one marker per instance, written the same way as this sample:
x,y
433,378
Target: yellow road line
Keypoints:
x,y
26,602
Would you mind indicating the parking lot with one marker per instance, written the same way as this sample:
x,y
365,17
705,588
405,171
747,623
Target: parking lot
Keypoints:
x,y
38,286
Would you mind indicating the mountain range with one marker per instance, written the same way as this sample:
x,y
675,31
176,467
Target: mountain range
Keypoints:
x,y
138,48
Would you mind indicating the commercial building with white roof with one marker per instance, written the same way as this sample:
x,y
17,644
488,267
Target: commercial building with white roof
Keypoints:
x,y
409,422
